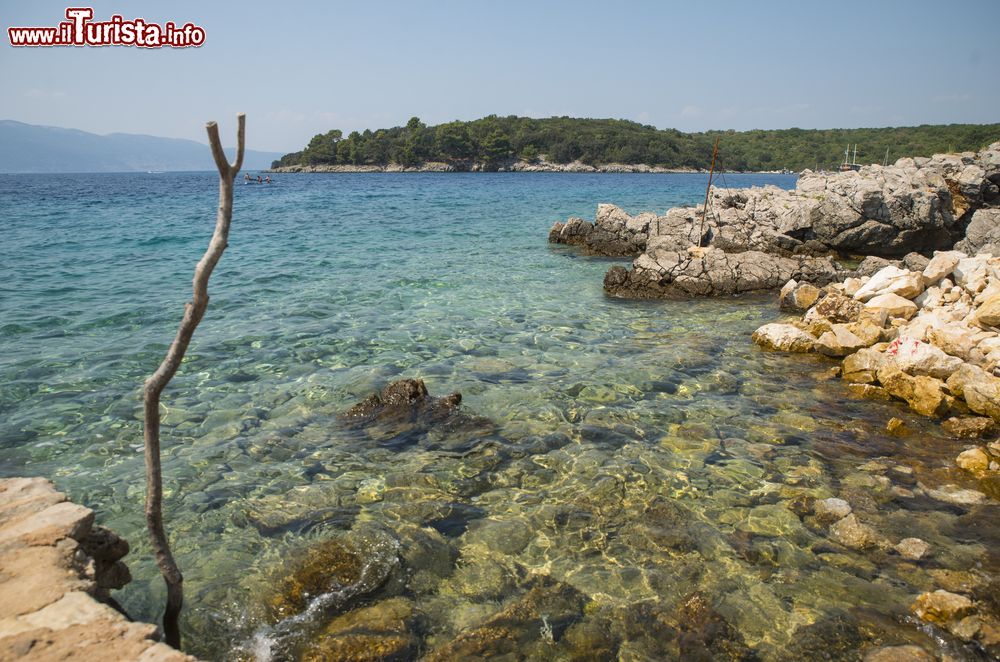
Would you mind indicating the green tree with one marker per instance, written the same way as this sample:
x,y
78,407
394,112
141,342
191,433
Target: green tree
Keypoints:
x,y
529,153
495,147
323,147
452,141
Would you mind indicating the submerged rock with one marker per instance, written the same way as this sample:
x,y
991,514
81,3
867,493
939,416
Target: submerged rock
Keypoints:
x,y
849,532
298,510
533,622
831,510
403,411
941,606
974,459
836,636
969,427
774,520
329,575
956,495
912,549
705,634
905,653
382,632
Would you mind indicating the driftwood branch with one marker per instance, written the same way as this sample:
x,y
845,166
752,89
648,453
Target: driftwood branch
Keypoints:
x,y
193,313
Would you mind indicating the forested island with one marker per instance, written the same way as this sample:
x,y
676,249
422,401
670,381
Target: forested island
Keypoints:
x,y
509,143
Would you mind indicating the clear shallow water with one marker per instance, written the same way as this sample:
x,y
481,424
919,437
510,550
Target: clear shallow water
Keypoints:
x,y
645,452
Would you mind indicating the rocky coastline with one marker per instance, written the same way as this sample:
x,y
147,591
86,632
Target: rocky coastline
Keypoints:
x,y
57,569
757,239
506,166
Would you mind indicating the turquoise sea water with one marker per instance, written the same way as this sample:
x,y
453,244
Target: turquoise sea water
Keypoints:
x,y
334,285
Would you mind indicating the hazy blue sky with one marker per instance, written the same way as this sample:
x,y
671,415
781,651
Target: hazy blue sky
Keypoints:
x,y
299,68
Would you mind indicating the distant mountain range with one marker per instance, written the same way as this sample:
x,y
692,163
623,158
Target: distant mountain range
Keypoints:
x,y
33,148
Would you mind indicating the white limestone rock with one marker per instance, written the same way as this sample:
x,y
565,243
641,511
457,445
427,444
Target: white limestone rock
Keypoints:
x,y
892,280
893,304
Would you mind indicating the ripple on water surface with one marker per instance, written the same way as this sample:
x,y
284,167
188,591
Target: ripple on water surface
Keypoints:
x,y
644,494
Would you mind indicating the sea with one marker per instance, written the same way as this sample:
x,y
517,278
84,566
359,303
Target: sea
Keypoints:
x,y
643,456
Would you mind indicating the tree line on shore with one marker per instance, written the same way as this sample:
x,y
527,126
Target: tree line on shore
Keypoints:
x,y
494,142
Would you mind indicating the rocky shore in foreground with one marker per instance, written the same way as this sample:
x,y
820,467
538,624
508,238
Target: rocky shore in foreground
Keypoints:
x,y
929,337
757,239
57,568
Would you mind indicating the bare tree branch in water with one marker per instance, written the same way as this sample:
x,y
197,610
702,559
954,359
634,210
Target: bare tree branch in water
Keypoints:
x,y
193,313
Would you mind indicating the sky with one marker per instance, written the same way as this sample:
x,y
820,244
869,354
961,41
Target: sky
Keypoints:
x,y
299,68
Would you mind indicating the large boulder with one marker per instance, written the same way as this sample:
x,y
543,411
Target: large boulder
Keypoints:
x,y
988,313
919,358
979,389
982,234
925,395
784,338
614,233
941,266
836,308
974,273
892,280
797,297
955,338
573,232
873,264
840,340
862,366
893,305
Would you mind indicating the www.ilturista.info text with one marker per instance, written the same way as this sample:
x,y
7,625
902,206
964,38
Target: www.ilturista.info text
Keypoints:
x,y
80,30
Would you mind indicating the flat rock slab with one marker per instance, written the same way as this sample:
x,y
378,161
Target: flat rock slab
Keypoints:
x,y
47,608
